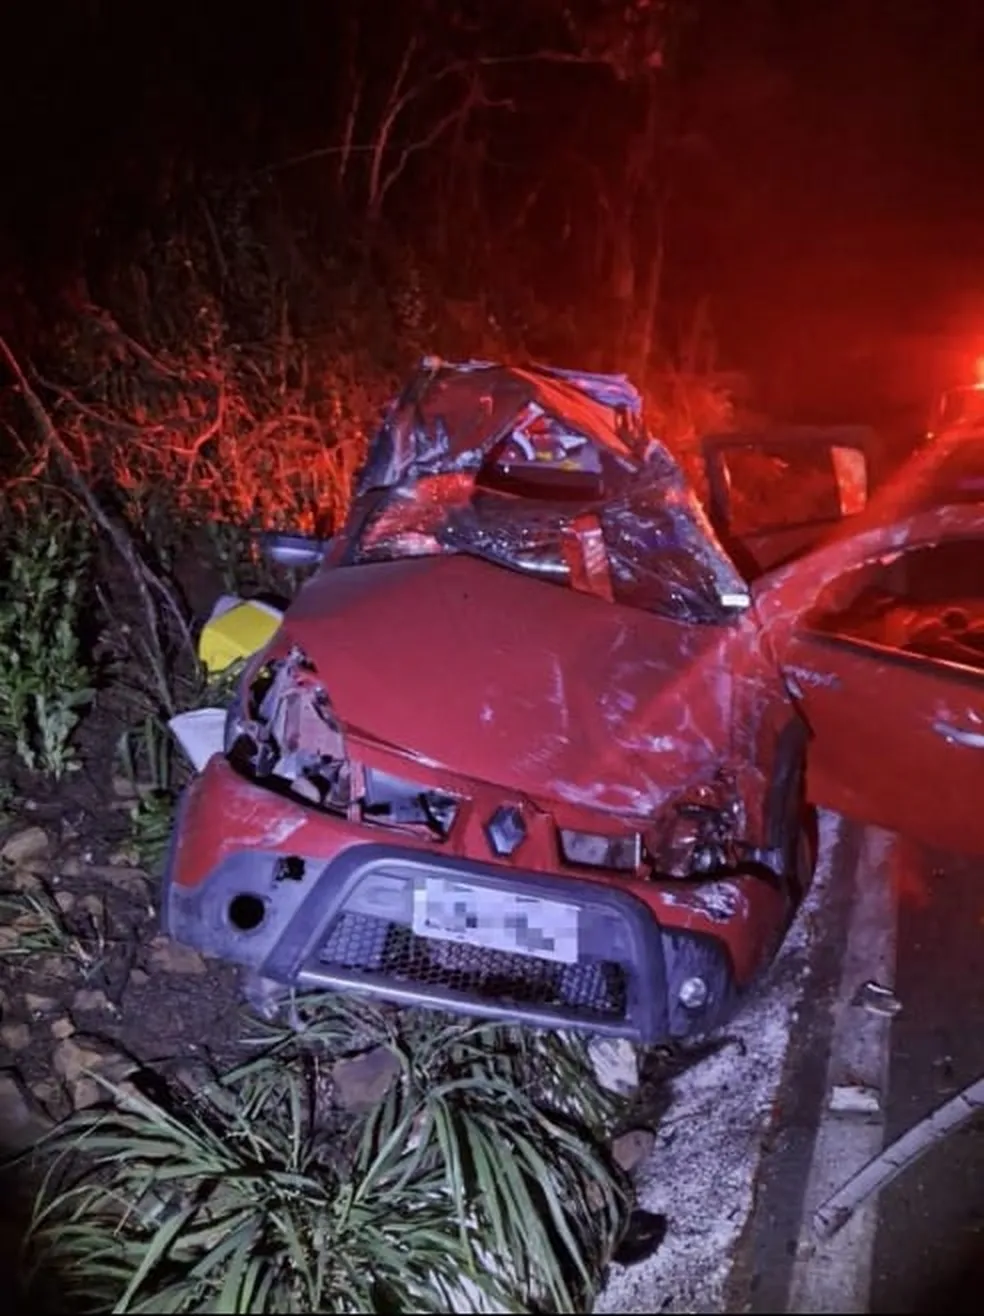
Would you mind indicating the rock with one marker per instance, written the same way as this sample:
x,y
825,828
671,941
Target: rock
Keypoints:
x,y
39,1004
50,1095
71,1060
361,1082
171,957
86,1092
21,1123
127,856
15,1037
25,880
124,877
65,901
631,1148
30,845
91,999
139,978
71,867
62,1028
93,906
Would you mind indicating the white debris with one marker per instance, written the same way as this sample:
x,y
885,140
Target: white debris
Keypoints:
x,y
710,1142
615,1062
854,1099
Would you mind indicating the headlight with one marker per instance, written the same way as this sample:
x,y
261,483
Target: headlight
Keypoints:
x,y
591,850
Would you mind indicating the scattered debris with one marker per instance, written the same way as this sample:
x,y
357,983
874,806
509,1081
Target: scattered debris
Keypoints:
x,y
855,1099
876,999
616,1064
835,1212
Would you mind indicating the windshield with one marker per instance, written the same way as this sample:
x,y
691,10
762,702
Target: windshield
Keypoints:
x,y
544,472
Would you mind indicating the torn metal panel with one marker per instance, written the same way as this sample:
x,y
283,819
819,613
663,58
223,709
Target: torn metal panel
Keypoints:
x,y
507,463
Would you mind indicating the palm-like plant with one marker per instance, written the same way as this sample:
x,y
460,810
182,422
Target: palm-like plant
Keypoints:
x,y
478,1180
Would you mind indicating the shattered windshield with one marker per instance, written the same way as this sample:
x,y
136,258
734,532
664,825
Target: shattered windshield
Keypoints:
x,y
546,472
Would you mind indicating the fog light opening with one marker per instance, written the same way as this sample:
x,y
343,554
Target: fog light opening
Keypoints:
x,y
246,912
693,993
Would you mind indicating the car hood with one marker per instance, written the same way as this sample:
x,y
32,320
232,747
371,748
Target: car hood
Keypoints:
x,y
493,674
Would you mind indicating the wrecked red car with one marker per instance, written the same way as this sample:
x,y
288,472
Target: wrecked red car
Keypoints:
x,y
528,744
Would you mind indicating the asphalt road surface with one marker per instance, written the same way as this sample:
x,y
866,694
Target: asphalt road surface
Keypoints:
x,y
913,921
929,1248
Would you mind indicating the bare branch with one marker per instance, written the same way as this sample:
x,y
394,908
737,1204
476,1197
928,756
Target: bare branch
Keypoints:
x,y
144,579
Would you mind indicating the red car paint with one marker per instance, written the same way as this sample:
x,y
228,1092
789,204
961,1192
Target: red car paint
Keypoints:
x,y
578,709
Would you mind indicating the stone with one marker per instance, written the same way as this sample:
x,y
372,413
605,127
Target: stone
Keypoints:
x,y
15,1037
23,879
65,901
632,1148
62,1028
91,999
93,906
36,1004
29,845
50,1094
71,1060
169,956
21,1123
361,1082
71,867
86,1092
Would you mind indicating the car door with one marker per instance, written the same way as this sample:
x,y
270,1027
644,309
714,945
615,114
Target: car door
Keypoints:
x,y
887,666
773,494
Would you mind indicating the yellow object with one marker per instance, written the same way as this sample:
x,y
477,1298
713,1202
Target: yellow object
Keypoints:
x,y
236,629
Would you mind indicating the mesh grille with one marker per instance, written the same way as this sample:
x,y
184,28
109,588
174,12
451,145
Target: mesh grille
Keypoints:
x,y
591,988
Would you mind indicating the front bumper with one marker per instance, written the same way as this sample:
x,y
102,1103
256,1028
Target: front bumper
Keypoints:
x,y
322,906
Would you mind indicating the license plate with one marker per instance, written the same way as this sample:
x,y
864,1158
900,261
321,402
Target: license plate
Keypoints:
x,y
446,910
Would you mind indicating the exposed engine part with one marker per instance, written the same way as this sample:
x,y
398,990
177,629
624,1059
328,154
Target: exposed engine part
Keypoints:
x,y
286,733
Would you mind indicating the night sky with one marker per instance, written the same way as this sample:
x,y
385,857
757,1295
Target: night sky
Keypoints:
x,y
826,193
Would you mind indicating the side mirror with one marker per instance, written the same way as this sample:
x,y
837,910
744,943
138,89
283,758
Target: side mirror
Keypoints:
x,y
293,551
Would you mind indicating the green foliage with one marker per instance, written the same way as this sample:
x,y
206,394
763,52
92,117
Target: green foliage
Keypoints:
x,y
147,759
33,923
480,1163
44,677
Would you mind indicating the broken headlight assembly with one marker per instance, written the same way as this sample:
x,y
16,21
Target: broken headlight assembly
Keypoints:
x,y
282,732
700,834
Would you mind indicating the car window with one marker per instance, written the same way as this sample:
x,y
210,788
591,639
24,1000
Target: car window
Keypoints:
x,y
772,489
927,600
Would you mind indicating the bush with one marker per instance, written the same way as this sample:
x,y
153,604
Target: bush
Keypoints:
x,y
478,1173
44,678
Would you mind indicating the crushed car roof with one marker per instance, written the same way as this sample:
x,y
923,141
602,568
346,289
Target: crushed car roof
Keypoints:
x,y
626,502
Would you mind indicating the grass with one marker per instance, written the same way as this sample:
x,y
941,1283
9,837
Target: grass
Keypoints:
x,y
483,1161
32,923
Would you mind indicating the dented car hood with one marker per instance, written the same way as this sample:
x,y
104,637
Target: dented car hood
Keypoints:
x,y
505,678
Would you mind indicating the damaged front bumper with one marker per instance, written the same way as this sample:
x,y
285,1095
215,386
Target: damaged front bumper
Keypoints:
x,y
310,901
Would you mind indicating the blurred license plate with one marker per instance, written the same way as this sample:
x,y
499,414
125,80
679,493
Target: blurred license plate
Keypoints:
x,y
446,910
